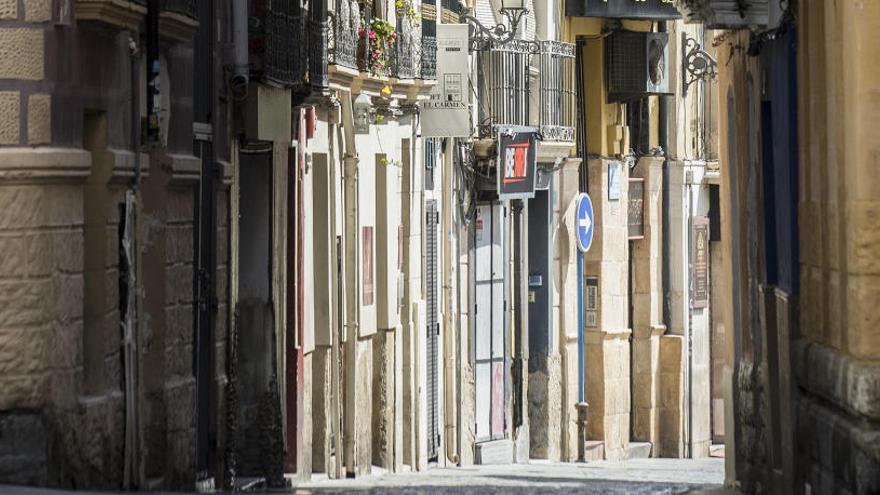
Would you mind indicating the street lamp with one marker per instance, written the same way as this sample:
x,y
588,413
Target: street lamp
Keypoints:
x,y
482,37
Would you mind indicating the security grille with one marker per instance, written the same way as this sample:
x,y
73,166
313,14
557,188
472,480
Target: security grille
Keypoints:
x,y
433,326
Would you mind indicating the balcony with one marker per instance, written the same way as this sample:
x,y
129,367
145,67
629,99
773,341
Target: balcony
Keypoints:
x,y
279,42
177,19
557,101
378,48
503,83
183,7
515,77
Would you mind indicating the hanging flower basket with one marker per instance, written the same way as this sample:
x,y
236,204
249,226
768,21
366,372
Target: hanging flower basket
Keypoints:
x,y
378,39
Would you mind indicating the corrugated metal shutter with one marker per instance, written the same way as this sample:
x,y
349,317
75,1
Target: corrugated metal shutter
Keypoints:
x,y
433,325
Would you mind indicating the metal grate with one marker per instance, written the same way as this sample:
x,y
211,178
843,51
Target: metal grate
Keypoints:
x,y
433,326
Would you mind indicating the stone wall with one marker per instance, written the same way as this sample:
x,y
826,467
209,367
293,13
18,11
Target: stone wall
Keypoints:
x,y
60,230
647,293
608,343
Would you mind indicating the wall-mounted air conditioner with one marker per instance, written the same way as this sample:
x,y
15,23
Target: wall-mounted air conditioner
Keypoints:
x,y
637,65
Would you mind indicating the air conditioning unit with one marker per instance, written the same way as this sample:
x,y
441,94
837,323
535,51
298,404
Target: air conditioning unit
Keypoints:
x,y
637,65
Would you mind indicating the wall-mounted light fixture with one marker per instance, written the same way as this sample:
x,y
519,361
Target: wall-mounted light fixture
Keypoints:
x,y
482,37
696,63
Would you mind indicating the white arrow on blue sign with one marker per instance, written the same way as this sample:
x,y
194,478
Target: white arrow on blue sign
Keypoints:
x,y
584,219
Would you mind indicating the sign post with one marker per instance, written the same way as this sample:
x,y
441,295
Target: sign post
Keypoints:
x,y
584,230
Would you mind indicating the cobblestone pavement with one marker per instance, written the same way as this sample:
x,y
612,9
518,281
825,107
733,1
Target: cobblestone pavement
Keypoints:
x,y
636,476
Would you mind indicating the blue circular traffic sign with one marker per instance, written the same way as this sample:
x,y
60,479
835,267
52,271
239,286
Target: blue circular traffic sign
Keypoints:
x,y
584,221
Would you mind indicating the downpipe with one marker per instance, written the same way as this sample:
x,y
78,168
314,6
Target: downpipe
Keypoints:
x,y
240,65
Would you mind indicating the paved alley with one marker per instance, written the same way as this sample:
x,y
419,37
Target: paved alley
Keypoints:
x,y
637,476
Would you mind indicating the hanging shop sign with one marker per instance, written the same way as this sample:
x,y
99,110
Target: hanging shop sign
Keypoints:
x,y
700,265
636,212
446,113
623,9
517,163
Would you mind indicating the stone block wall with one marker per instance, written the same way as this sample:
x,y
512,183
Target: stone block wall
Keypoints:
x,y
837,351
63,173
608,346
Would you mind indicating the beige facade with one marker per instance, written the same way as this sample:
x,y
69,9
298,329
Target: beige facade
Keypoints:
x,y
800,350
70,390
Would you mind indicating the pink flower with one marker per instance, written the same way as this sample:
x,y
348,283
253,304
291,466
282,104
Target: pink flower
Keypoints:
x,y
372,35
394,36
361,32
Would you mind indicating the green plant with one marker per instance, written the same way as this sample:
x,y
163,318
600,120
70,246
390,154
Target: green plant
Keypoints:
x,y
407,10
380,38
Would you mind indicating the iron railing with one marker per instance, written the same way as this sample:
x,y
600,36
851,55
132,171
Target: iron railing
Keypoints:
x,y
503,85
344,38
557,102
184,7
286,56
408,57
405,63
428,46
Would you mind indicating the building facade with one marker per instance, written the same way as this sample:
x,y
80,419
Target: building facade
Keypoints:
x,y
106,370
267,265
797,126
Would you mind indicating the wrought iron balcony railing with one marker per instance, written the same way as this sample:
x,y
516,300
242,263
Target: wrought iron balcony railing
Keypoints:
x,y
503,85
279,41
344,38
505,92
557,102
184,7
404,57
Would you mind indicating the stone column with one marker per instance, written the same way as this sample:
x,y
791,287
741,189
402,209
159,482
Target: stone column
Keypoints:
x,y
648,305
564,293
607,342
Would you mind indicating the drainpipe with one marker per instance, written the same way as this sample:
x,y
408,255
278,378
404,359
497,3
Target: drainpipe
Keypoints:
x,y
129,348
351,242
240,68
664,143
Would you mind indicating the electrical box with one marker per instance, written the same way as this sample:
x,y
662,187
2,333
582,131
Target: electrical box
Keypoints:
x,y
637,65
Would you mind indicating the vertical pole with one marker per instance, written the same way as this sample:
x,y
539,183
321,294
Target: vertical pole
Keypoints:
x,y
582,403
580,281
153,90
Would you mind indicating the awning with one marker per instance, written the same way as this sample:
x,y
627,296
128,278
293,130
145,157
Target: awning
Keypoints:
x,y
623,9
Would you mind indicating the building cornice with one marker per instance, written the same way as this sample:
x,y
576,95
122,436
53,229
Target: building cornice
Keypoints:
x,y
33,165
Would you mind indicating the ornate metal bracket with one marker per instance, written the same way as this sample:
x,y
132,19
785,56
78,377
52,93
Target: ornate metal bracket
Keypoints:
x,y
696,64
483,37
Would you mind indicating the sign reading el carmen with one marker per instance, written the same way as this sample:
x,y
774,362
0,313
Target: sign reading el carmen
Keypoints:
x,y
623,9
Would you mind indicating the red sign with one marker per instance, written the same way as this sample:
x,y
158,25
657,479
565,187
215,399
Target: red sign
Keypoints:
x,y
517,164
515,157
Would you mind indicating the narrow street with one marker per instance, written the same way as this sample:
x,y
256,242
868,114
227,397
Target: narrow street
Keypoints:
x,y
635,476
